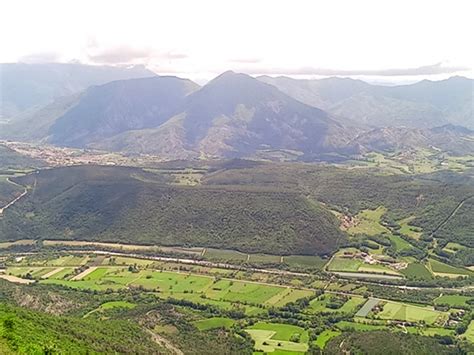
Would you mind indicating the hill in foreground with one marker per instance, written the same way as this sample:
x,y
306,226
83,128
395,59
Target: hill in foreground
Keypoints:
x,y
130,205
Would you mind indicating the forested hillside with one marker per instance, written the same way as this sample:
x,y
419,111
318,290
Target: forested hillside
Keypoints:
x,y
130,205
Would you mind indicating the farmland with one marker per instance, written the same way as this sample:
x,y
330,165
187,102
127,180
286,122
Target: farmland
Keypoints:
x,y
282,337
368,222
232,300
120,273
408,313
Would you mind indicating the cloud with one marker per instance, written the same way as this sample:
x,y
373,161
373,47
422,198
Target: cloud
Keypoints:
x,y
245,60
119,55
434,69
128,55
43,57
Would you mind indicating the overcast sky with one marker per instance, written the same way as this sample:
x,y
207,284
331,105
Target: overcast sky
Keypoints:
x,y
390,40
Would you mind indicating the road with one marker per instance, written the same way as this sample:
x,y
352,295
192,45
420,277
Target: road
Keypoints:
x,y
442,224
9,204
15,199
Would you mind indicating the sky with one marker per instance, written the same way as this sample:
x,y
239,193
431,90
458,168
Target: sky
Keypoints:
x,y
379,41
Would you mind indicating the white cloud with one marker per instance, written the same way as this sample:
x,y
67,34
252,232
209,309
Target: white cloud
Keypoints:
x,y
206,37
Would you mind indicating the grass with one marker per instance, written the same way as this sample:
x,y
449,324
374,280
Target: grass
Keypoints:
x,y
271,337
287,296
400,243
213,323
222,254
264,342
325,336
469,334
369,222
197,288
282,331
442,269
320,305
453,247
454,300
346,325
409,313
417,270
305,261
117,304
240,291
344,264
408,230
432,331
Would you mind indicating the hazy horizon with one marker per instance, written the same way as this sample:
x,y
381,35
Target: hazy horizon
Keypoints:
x,y
394,42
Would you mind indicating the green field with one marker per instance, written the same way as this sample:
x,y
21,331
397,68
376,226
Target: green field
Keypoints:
x,y
215,322
442,269
346,325
369,222
400,243
284,338
304,261
325,336
417,270
344,264
409,230
404,312
197,288
349,264
470,332
320,304
454,300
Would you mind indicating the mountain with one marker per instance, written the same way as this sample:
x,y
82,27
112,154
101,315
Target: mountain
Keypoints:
x,y
236,115
425,104
107,110
456,140
26,86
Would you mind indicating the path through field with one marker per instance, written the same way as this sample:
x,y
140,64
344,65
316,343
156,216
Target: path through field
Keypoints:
x,y
164,342
84,273
15,279
52,272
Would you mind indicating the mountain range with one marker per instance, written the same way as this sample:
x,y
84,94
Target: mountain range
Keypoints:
x,y
421,105
28,86
236,115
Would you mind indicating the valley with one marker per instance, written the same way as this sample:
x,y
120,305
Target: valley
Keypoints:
x,y
248,215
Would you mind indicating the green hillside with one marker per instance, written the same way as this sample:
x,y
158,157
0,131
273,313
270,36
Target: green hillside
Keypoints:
x,y
130,205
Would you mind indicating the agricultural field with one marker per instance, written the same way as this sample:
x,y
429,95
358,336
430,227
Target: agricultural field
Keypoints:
x,y
409,230
400,243
444,270
115,273
283,338
368,222
454,300
213,323
417,271
469,335
325,336
349,260
409,313
335,303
